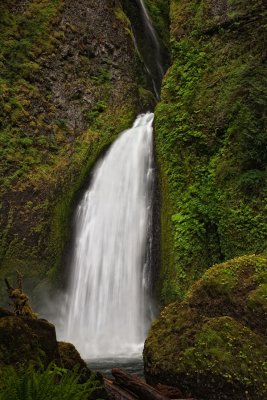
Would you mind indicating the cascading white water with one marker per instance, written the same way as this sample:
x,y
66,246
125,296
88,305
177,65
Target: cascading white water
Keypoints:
x,y
155,41
107,310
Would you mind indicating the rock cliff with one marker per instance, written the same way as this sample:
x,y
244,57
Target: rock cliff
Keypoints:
x,y
71,80
211,139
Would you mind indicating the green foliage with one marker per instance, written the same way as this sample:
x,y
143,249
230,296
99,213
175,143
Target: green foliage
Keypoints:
x,y
211,141
159,12
98,108
251,182
102,76
46,149
52,383
21,150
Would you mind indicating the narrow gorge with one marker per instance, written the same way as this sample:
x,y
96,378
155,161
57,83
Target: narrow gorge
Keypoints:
x,y
133,195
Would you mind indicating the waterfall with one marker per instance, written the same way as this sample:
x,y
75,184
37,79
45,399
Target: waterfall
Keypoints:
x,y
159,70
108,310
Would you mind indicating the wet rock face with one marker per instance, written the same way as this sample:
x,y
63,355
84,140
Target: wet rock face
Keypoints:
x,y
215,11
92,41
213,344
20,6
218,7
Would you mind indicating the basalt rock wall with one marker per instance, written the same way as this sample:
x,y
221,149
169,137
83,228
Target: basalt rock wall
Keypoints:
x,y
70,81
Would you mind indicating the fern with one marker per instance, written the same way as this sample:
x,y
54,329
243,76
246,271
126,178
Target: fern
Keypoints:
x,y
52,383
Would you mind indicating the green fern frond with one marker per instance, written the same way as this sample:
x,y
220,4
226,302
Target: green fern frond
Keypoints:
x,y
51,383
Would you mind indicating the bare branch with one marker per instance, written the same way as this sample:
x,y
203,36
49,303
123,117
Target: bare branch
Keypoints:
x,y
9,287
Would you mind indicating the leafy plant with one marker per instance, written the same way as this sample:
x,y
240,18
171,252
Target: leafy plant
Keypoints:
x,y
211,143
53,383
251,182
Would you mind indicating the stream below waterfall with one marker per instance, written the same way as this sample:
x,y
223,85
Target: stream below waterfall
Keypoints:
x,y
132,365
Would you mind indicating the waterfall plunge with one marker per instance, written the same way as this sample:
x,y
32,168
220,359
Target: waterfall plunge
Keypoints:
x,y
107,307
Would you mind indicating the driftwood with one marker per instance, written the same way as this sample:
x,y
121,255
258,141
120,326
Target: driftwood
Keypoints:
x,y
19,299
116,393
135,385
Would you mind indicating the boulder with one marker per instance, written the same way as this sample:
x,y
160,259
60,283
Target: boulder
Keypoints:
x,y
71,359
213,344
24,341
237,288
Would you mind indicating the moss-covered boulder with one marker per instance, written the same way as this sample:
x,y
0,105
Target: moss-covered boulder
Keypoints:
x,y
237,288
213,344
27,343
71,359
24,341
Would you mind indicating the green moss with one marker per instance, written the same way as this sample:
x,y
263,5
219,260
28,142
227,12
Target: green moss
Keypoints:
x,y
46,156
257,300
213,344
226,348
19,344
235,288
216,358
210,139
159,13
121,16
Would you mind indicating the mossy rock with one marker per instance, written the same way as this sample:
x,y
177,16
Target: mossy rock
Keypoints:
x,y
237,288
32,342
17,344
71,359
26,341
47,147
213,344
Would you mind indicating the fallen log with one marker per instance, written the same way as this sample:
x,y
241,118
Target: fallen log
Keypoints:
x,y
116,393
135,385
